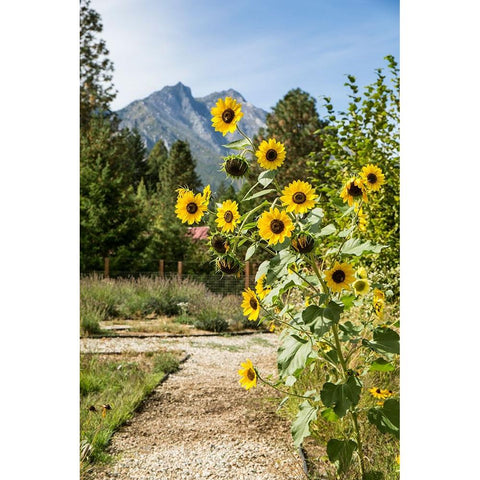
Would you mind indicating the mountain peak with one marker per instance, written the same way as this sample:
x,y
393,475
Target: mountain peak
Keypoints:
x,y
172,113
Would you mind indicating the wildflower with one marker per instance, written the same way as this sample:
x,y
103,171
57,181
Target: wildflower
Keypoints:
x,y
207,192
361,286
340,276
271,327
227,216
250,305
274,226
303,243
235,166
228,264
373,177
262,289
226,115
248,375
219,243
270,154
353,190
190,207
298,197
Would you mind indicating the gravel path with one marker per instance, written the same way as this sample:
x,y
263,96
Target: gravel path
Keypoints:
x,y
200,423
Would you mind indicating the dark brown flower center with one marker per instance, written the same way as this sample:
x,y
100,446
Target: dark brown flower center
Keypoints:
x,y
299,197
228,216
228,115
228,265
377,390
236,167
271,155
192,207
219,243
253,303
354,190
303,243
372,178
251,374
338,276
277,226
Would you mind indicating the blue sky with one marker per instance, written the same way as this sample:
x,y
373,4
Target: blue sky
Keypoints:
x,y
260,48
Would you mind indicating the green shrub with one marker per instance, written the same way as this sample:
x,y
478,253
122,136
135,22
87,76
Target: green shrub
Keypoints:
x,y
211,321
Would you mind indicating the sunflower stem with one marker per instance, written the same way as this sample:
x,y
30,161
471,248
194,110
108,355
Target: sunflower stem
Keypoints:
x,y
278,390
245,136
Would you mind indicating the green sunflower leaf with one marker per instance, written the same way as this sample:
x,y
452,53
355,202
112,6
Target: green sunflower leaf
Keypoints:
x,y
266,177
260,194
293,353
301,425
327,230
341,396
250,251
263,268
314,219
237,144
355,246
384,340
387,418
340,452
329,414
381,365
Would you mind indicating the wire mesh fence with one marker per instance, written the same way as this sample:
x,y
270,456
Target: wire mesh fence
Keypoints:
x,y
205,273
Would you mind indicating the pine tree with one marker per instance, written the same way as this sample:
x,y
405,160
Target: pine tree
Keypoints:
x,y
96,69
157,158
110,218
293,121
179,171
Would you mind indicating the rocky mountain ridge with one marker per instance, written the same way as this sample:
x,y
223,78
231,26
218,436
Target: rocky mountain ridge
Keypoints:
x,y
172,113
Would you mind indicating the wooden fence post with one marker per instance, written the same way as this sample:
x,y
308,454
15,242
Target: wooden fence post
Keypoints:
x,y
106,267
180,270
247,274
161,268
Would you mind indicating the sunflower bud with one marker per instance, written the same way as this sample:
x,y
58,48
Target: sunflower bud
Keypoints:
x,y
228,264
235,166
219,243
303,243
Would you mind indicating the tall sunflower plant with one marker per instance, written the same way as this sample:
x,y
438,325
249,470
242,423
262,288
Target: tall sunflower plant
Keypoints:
x,y
329,280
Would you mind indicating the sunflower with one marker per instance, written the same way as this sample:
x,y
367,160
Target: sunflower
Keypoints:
x,y
378,306
377,393
373,177
361,273
298,197
235,166
378,295
362,218
248,374
270,154
190,207
226,113
361,286
274,226
353,190
227,216
250,305
228,264
303,243
219,243
207,192
340,276
262,289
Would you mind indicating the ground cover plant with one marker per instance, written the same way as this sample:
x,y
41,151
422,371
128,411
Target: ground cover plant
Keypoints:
x,y
149,304
338,354
111,388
